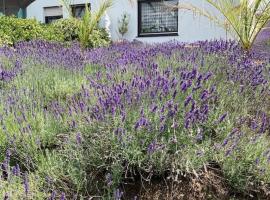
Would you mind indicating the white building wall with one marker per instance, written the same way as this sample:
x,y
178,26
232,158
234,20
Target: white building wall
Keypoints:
x,y
36,9
191,28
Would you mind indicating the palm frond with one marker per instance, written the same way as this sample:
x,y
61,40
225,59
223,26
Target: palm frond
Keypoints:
x,y
245,18
66,4
90,21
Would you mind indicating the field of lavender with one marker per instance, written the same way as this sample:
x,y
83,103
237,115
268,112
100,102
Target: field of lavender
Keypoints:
x,y
86,124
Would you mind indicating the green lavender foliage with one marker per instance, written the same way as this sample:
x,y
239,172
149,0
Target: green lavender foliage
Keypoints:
x,y
90,159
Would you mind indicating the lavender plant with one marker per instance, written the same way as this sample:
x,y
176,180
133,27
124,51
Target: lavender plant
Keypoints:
x,y
75,122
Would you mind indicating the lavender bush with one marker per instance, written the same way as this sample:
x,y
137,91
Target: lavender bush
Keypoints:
x,y
74,123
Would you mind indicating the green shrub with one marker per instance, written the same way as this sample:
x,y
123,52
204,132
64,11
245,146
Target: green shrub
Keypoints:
x,y
90,21
68,27
20,29
70,30
51,34
51,84
98,38
5,39
15,189
13,30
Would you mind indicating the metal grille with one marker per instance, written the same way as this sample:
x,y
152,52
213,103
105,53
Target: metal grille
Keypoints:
x,y
158,17
50,19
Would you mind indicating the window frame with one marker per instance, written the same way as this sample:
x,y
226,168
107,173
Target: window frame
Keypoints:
x,y
157,34
56,17
73,6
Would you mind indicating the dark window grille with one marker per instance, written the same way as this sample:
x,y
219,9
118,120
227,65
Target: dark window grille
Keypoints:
x,y
78,10
158,17
53,13
50,19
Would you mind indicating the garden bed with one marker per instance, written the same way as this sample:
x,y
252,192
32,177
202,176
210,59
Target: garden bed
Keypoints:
x,y
134,121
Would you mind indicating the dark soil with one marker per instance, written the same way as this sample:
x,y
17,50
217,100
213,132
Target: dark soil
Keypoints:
x,y
209,184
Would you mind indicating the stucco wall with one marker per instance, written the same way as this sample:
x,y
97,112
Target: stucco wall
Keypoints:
x,y
191,28
36,9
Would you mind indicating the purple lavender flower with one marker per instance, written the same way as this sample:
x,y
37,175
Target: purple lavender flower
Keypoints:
x,y
142,122
187,123
26,184
8,154
222,117
225,142
79,138
257,161
187,101
154,108
204,95
162,128
5,169
184,87
228,152
199,136
73,124
208,76
109,179
118,194
53,196
152,147
175,93
16,170
63,196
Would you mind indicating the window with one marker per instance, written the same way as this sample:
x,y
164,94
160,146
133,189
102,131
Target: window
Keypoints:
x,y
157,18
50,19
53,13
78,10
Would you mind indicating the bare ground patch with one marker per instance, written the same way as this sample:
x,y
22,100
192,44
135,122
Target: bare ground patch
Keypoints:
x,y
208,184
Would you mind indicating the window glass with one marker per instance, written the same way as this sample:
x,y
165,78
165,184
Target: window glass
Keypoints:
x,y
51,19
156,17
79,10
53,13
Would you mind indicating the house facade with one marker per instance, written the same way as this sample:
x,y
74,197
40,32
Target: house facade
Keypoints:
x,y
149,20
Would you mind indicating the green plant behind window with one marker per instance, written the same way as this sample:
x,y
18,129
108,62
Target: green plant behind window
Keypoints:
x,y
123,24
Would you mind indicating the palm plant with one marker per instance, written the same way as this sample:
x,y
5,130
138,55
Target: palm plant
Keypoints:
x,y
66,4
244,18
90,20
